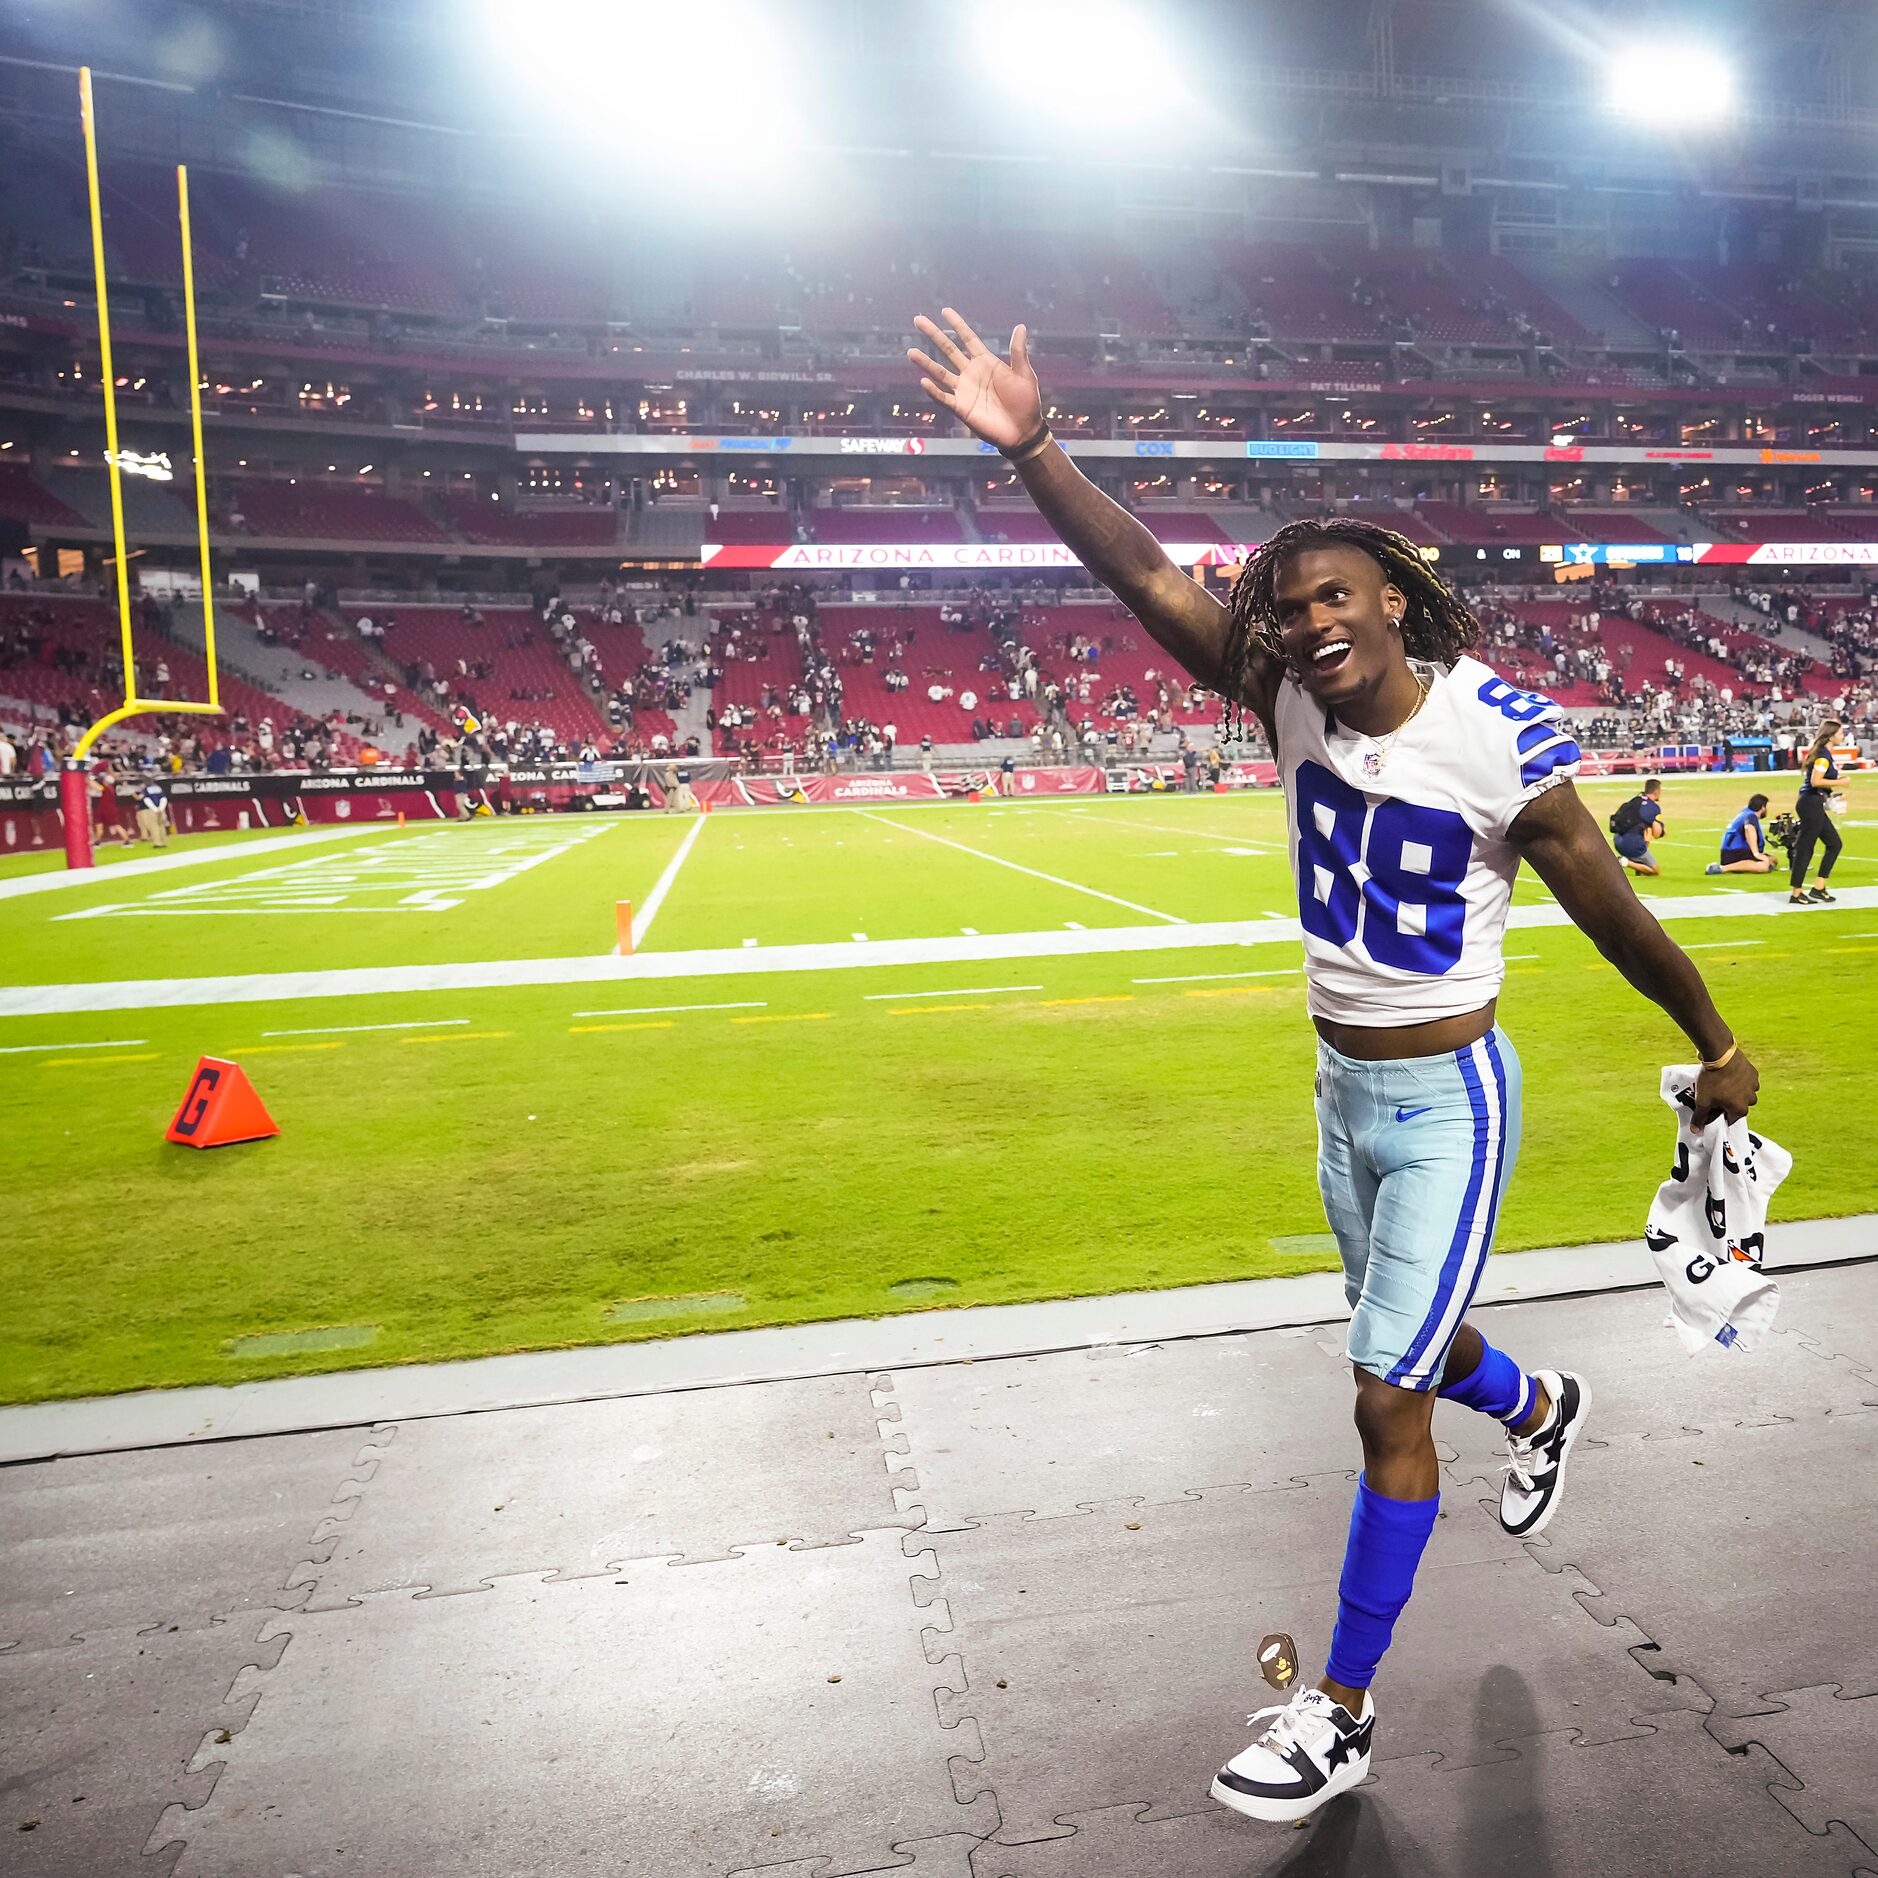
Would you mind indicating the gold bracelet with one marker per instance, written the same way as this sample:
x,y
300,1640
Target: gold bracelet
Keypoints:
x,y
1023,452
1726,1057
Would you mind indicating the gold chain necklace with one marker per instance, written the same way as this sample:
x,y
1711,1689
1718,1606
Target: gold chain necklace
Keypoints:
x,y
1377,759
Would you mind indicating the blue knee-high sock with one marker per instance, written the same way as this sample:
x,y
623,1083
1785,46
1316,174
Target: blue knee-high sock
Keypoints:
x,y
1386,1542
1497,1387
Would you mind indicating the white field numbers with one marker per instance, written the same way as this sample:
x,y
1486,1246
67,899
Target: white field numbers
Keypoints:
x,y
419,874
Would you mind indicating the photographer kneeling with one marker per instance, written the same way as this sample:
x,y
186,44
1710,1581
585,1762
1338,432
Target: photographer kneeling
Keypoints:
x,y
1635,824
1744,847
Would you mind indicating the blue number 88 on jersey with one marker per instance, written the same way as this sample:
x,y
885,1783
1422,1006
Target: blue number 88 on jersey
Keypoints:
x,y
1407,906
1520,706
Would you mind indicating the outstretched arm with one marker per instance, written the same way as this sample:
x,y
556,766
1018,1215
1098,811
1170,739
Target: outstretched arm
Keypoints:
x,y
1001,402
1556,834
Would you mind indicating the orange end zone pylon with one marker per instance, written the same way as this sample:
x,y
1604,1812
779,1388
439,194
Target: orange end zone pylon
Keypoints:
x,y
221,1107
623,918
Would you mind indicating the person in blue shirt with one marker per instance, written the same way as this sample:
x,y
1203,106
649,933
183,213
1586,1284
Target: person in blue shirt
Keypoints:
x,y
153,814
1636,824
1819,773
1744,847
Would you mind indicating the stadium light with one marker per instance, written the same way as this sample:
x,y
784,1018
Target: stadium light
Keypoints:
x,y
1670,84
704,89
1080,56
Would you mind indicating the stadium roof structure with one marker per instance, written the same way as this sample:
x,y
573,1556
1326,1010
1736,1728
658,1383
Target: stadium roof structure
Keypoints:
x,y
1332,73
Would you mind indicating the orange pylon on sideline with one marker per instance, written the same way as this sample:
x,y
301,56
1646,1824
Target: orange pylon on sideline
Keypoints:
x,y
220,1107
400,818
623,917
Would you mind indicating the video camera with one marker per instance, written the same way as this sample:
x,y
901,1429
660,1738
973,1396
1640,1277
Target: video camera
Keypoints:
x,y
1783,830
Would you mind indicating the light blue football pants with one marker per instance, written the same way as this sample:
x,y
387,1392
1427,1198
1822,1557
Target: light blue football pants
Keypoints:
x,y
1414,1154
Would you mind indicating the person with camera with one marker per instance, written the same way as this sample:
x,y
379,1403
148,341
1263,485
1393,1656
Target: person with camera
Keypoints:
x,y
1635,824
1818,772
1744,846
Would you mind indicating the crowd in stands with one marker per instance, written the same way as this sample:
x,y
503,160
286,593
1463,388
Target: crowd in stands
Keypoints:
x,y
778,690
61,669
841,684
826,682
1665,670
1848,625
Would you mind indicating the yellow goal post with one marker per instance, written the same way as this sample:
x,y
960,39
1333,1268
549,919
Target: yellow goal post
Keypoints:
x,y
133,705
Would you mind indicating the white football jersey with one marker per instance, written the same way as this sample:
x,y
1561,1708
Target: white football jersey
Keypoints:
x,y
1399,843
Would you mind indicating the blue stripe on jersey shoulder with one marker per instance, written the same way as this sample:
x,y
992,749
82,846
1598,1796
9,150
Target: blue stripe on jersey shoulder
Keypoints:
x,y
1554,756
1532,735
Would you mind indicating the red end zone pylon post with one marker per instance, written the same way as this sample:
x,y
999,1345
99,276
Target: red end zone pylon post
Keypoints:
x,y
75,809
623,919
220,1107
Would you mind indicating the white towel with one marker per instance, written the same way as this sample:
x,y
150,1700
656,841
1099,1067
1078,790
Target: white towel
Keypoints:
x,y
1707,1227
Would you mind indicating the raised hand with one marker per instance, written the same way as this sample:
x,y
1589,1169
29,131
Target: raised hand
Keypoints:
x,y
995,400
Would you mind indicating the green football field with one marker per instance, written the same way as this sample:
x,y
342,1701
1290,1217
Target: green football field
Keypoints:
x,y
864,1061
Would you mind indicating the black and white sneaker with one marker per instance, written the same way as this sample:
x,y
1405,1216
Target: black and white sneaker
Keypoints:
x,y
1820,896
1535,1469
1312,1751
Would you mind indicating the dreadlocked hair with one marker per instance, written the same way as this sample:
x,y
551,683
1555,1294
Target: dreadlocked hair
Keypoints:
x,y
1436,625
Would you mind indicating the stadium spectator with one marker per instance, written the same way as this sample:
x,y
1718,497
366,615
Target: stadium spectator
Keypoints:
x,y
106,811
153,814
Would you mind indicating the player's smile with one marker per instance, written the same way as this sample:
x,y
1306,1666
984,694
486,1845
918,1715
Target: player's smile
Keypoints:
x,y
1334,624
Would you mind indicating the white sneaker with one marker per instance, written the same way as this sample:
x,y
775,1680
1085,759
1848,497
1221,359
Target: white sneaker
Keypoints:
x,y
1535,1469
1311,1752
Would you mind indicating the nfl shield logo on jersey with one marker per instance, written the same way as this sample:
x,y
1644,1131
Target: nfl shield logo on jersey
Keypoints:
x,y
1372,764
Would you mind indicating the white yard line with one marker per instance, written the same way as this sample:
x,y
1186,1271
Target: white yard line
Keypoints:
x,y
644,916
1017,867
840,955
652,1010
324,883
1201,978
1197,834
964,991
334,1030
114,1043
169,863
124,908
